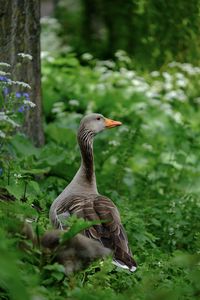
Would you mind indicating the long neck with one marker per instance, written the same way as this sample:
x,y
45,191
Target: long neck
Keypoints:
x,y
85,140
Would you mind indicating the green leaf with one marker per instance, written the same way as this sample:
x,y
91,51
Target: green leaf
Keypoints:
x,y
23,146
35,186
17,189
51,155
36,171
61,134
77,225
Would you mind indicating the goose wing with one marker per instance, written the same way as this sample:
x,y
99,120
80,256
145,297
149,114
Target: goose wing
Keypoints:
x,y
110,233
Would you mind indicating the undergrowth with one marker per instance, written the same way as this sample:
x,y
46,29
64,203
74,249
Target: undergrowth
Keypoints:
x,y
149,167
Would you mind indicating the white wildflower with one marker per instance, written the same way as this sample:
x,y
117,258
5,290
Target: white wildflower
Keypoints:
x,y
50,59
113,160
136,82
122,56
157,86
167,85
142,88
181,96
106,75
155,74
100,69
124,128
51,23
17,175
44,54
176,95
173,203
29,103
177,117
159,124
2,73
13,123
25,55
121,82
108,63
197,100
2,134
154,102
197,70
114,143
182,82
3,116
167,76
188,68
147,146
87,56
21,83
152,94
120,53
74,102
100,87
173,64
91,87
171,95
3,64
130,74
179,75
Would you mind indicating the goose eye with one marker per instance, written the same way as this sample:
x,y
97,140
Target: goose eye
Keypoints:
x,y
98,118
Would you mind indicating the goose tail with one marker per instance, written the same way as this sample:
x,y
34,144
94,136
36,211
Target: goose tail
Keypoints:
x,y
120,264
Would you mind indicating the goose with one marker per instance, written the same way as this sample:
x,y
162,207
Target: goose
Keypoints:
x,y
81,198
74,254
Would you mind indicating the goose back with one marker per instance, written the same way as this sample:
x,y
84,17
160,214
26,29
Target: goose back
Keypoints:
x,y
110,233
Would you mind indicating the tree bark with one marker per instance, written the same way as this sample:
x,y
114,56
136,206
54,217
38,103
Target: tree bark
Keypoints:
x,y
20,33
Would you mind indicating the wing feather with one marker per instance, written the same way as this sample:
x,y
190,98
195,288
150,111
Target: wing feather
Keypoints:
x,y
110,232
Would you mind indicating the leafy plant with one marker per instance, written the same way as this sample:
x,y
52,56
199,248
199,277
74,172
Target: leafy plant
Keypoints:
x,y
149,167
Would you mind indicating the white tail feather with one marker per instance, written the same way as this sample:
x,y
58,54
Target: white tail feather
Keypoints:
x,y
123,266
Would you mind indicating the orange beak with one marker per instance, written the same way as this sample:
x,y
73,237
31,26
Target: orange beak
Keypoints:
x,y
111,123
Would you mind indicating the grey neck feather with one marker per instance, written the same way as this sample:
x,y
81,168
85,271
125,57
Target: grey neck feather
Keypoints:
x,y
85,140
84,182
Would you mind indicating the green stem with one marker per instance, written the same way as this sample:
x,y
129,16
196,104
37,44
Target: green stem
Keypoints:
x,y
8,174
25,189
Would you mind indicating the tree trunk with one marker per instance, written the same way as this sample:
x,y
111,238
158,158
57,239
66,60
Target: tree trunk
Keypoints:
x,y
20,33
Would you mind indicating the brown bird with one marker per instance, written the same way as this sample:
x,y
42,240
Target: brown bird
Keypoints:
x,y
74,254
81,198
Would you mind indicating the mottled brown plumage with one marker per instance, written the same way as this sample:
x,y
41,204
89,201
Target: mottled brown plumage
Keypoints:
x,y
82,199
75,254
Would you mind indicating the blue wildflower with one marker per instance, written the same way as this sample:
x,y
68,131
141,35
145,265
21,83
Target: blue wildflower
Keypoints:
x,y
21,109
6,91
18,95
3,78
1,171
27,96
24,107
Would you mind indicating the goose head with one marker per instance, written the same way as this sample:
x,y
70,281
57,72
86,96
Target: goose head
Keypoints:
x,y
96,123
